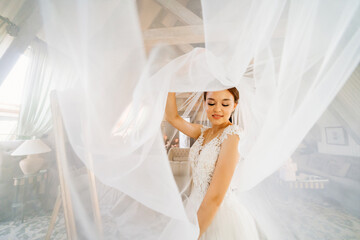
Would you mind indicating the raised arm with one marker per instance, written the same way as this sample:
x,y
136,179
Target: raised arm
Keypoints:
x,y
172,116
223,173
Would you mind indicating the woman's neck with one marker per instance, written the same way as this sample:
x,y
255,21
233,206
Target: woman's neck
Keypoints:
x,y
220,126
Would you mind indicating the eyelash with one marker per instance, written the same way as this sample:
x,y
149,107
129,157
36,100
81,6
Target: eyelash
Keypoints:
x,y
212,104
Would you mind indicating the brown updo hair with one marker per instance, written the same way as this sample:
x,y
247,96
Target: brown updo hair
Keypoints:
x,y
233,91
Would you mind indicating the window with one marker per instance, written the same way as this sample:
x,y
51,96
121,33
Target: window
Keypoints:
x,y
10,98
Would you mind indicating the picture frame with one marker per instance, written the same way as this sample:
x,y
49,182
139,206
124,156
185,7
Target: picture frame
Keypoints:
x,y
336,136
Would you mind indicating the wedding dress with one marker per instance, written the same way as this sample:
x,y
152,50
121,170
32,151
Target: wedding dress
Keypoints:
x,y
302,53
232,220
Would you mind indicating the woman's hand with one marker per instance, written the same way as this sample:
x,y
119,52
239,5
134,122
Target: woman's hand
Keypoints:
x,y
172,116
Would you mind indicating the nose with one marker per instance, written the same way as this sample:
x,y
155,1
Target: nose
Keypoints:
x,y
217,108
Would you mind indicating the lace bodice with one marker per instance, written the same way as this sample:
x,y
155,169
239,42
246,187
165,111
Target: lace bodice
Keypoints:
x,y
203,158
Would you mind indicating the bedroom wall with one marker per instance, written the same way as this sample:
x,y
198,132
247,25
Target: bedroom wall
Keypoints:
x,y
330,130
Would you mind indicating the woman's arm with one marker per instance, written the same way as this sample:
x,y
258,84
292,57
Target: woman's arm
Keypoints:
x,y
173,117
224,170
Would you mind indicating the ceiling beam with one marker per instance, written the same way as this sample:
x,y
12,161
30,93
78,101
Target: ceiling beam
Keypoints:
x,y
175,35
148,11
170,20
182,13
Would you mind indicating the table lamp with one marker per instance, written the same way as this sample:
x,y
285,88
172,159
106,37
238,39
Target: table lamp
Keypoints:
x,y
33,162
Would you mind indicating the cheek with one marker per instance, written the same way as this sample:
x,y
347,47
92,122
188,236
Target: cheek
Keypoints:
x,y
229,110
227,113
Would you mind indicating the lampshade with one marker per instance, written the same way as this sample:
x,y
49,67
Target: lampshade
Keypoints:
x,y
33,146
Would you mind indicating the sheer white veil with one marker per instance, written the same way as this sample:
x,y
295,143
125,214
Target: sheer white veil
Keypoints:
x,y
288,59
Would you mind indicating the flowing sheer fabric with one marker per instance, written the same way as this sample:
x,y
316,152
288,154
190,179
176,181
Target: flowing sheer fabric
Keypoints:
x,y
288,60
41,77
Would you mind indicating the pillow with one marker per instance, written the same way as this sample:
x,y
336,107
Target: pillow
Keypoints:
x,y
180,168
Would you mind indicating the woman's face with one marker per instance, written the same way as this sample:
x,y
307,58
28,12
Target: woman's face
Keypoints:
x,y
219,106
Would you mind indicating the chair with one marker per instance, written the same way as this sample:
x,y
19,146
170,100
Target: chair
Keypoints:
x,y
180,166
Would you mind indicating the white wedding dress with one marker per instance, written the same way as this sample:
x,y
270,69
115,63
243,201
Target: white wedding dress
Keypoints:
x,y
232,220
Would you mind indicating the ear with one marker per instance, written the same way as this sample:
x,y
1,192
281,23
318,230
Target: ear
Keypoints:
x,y
235,104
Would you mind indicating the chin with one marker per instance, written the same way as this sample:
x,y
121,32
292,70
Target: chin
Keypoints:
x,y
217,121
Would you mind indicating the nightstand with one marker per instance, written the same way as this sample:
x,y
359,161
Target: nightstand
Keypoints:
x,y
29,190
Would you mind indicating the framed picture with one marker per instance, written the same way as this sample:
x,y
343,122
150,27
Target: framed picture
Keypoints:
x,y
336,136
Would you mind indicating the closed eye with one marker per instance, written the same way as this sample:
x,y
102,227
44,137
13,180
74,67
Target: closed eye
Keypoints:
x,y
212,104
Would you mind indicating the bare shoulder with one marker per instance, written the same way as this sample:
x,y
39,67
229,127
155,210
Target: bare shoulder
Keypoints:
x,y
231,140
230,143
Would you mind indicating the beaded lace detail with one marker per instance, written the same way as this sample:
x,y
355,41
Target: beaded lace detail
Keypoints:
x,y
203,158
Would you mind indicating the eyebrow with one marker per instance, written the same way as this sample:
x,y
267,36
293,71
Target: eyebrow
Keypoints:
x,y
226,99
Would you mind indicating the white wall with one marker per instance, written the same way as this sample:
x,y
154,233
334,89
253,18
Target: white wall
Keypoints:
x,y
351,149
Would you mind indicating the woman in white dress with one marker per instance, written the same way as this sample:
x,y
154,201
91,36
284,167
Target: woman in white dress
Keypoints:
x,y
214,157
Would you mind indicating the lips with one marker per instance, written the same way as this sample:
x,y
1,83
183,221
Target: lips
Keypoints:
x,y
216,116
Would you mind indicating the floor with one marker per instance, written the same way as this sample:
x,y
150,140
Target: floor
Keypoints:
x,y
322,221
33,228
332,223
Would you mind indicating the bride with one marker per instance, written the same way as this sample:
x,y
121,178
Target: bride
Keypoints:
x,y
214,157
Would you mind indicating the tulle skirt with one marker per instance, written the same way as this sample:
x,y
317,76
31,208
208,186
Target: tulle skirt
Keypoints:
x,y
231,222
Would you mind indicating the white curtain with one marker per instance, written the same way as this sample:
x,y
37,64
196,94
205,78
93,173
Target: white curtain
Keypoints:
x,y
40,79
302,54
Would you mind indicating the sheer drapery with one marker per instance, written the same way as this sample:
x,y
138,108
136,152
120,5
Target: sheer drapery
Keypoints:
x,y
300,55
41,77
34,117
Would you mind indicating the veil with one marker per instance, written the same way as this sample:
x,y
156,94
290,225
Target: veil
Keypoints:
x,y
288,59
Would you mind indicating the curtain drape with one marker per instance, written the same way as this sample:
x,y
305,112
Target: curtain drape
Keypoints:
x,y
301,52
40,79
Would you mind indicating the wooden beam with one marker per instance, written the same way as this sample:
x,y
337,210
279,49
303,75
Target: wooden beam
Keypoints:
x,y
62,165
170,20
182,13
185,48
148,11
94,196
175,35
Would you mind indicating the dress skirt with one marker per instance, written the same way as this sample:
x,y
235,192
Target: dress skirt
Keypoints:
x,y
232,221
